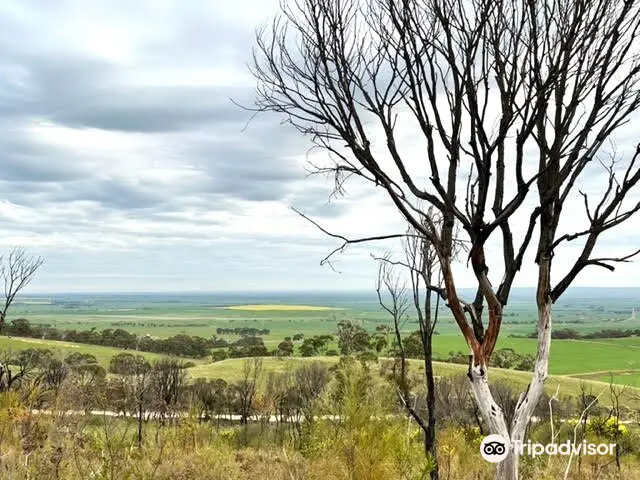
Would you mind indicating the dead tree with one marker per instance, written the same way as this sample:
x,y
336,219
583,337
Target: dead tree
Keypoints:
x,y
397,305
167,379
17,270
138,389
500,98
421,264
247,387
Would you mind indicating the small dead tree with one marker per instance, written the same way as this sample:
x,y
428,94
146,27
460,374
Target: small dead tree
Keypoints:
x,y
247,387
615,393
310,380
580,424
499,99
396,305
16,270
168,378
421,263
138,388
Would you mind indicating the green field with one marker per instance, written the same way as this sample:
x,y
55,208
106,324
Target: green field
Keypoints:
x,y
623,377
196,321
284,315
102,354
280,308
231,369
568,357
164,315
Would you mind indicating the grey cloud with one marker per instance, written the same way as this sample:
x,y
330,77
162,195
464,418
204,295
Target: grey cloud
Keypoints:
x,y
202,39
252,175
24,159
70,89
45,79
113,194
250,164
326,210
148,109
79,92
61,83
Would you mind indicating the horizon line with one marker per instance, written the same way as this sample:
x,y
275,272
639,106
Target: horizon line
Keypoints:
x,y
282,291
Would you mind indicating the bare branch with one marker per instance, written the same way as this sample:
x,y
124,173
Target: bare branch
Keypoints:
x,y
346,241
16,270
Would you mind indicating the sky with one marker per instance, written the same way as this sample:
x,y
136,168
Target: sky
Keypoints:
x,y
128,167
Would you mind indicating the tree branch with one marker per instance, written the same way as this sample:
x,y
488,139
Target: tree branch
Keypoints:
x,y
346,241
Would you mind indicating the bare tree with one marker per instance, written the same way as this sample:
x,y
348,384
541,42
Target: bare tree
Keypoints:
x,y
615,392
421,263
310,380
247,387
504,97
86,381
581,423
167,381
53,374
17,270
139,384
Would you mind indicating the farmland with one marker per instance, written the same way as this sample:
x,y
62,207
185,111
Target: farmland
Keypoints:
x,y
582,364
280,308
161,316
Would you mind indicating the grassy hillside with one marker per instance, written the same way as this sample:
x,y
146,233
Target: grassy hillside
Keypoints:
x,y
231,370
102,354
592,359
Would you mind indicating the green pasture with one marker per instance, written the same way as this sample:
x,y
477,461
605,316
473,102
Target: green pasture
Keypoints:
x,y
629,378
231,369
167,316
199,321
102,354
567,356
629,342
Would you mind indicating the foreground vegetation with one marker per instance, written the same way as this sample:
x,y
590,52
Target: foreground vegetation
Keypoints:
x,y
367,436
314,403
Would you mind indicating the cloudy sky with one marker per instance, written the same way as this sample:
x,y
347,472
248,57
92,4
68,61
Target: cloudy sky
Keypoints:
x,y
125,164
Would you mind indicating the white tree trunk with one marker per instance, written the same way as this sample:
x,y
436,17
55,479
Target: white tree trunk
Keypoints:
x,y
492,413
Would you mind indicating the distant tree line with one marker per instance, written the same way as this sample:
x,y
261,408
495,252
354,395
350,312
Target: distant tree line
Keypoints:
x,y
156,390
178,345
243,331
570,333
147,324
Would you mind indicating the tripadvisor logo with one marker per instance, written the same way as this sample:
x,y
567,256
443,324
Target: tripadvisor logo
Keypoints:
x,y
495,448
